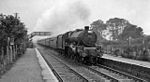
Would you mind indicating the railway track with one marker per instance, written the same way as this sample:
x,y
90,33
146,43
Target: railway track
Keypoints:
x,y
63,72
114,75
83,73
129,76
89,76
133,71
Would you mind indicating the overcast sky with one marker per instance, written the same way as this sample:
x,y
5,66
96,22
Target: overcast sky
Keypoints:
x,y
38,13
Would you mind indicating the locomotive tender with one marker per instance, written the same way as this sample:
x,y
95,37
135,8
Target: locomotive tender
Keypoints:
x,y
79,45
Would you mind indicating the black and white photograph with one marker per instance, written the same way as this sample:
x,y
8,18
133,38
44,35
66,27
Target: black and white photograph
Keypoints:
x,y
74,40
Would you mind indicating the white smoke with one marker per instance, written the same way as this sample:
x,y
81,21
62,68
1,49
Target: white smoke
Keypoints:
x,y
63,17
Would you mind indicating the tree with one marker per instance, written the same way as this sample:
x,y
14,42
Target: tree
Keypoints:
x,y
116,26
98,26
131,31
12,27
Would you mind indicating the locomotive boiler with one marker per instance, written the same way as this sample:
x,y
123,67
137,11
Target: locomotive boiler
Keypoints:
x,y
83,37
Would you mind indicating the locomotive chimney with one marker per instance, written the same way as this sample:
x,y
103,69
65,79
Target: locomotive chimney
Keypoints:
x,y
86,28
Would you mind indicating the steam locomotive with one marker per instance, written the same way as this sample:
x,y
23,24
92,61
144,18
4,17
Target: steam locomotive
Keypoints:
x,y
78,45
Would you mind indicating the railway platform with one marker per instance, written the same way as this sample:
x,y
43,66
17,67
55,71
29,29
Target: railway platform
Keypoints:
x,y
140,69
31,67
128,61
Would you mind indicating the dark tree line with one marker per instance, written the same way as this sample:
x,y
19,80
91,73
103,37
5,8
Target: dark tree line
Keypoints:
x,y
11,29
118,29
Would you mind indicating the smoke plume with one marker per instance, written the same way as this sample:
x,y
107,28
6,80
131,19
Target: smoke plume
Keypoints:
x,y
63,17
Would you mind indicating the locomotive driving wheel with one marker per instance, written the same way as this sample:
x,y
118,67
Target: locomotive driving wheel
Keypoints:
x,y
70,53
87,60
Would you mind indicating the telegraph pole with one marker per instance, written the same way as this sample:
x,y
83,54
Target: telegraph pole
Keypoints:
x,y
14,46
16,15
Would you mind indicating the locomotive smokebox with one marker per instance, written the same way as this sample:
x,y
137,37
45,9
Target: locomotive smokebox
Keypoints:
x,y
86,28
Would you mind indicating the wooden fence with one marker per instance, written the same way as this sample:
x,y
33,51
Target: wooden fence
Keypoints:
x,y
8,56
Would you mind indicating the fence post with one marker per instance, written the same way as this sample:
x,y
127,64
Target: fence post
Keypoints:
x,y
13,52
7,55
16,49
2,59
5,59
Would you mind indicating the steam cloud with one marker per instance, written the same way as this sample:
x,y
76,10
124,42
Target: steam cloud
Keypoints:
x,y
64,17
